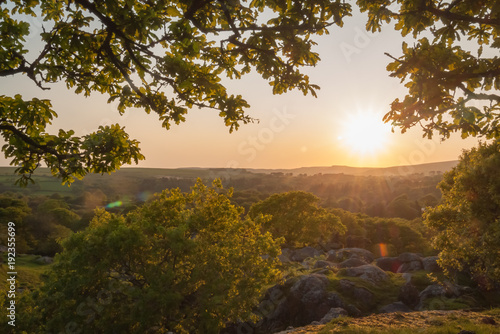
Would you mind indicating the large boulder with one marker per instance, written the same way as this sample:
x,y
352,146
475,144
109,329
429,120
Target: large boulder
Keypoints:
x,y
395,307
301,254
346,253
410,262
363,296
431,291
298,303
388,263
430,264
369,273
434,290
409,257
310,289
323,264
409,267
352,262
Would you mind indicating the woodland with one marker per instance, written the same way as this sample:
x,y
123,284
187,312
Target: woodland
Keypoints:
x,y
242,253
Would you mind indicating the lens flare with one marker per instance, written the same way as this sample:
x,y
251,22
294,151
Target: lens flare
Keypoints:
x,y
383,250
114,204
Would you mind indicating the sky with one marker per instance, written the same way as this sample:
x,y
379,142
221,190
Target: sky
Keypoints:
x,y
342,126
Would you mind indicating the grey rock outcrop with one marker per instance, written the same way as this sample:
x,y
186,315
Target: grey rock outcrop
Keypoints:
x,y
301,302
430,264
346,253
323,264
352,262
369,273
301,254
410,262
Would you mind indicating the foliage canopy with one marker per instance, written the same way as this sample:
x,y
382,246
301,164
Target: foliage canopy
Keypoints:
x,y
468,220
296,216
162,56
184,262
452,72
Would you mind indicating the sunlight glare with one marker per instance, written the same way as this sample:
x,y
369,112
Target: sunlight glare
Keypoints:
x,y
364,133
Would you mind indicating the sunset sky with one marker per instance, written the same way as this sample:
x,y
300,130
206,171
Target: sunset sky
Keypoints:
x,y
343,126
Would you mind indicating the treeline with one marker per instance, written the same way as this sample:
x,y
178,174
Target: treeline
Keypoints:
x,y
374,209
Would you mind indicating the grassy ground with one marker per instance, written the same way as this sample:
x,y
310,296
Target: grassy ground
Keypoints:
x,y
29,271
431,322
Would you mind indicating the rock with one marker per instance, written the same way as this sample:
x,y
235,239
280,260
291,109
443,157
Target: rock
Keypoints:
x,y
334,300
409,295
303,253
310,289
395,307
360,294
346,285
434,290
369,273
335,312
346,253
431,291
331,256
388,263
323,264
353,311
352,262
430,264
412,266
407,277
409,257
286,255
44,260
298,303
363,296
409,262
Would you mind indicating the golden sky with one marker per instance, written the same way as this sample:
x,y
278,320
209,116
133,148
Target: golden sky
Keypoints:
x,y
343,126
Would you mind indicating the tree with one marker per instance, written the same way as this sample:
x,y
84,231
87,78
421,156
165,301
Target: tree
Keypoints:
x,y
452,84
162,56
183,263
296,216
468,219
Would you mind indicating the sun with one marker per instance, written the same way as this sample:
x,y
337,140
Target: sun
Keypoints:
x,y
364,133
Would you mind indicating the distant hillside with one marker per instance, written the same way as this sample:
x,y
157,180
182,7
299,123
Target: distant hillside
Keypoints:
x,y
436,167
427,169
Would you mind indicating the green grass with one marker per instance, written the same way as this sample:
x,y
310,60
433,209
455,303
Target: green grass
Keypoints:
x,y
29,272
